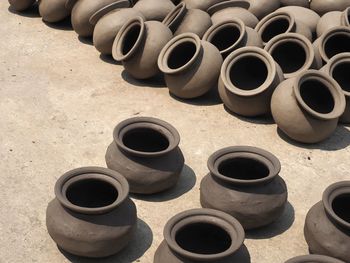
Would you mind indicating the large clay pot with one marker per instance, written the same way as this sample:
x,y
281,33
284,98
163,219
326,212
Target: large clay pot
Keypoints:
x,y
53,11
182,20
333,19
200,4
261,8
145,151
201,235
307,108
303,3
324,6
21,5
294,53
92,215
230,35
154,9
248,78
191,66
244,182
138,45
327,224
313,259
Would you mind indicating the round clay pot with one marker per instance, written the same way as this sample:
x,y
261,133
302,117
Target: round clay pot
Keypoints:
x,y
324,6
261,8
154,9
201,235
244,182
145,151
53,11
92,215
182,20
313,259
200,4
248,78
230,35
303,3
307,108
333,19
21,5
229,9
327,224
138,45
191,66
294,53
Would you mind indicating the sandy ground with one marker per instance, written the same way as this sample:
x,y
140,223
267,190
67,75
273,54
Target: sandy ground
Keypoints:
x,y
59,103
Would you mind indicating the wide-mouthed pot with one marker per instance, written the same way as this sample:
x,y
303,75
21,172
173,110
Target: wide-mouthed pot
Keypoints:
x,y
325,6
303,3
261,8
21,5
313,259
333,19
154,9
53,11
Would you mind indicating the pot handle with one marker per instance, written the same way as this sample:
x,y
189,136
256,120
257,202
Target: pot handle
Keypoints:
x,y
106,9
70,3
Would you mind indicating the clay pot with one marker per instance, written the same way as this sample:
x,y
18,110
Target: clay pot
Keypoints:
x,y
92,215
327,224
200,4
53,11
325,6
21,5
294,53
303,3
230,35
182,20
229,9
154,9
138,45
201,235
191,66
333,19
261,8
314,259
248,78
244,182
307,108
145,151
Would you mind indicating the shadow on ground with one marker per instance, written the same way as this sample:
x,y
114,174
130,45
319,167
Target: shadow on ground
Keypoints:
x,y
65,24
32,11
86,40
264,119
109,59
209,99
154,82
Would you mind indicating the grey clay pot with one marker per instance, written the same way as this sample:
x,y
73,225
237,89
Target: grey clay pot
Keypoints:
x,y
154,9
21,5
313,259
53,11
303,3
333,19
261,8
324,6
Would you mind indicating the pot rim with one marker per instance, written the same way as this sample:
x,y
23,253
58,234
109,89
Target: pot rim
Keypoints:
x,y
335,61
269,160
316,258
175,15
91,172
106,9
346,17
227,4
215,217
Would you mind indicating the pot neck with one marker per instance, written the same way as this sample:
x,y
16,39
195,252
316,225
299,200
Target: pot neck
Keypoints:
x,y
228,4
175,17
106,9
345,17
333,64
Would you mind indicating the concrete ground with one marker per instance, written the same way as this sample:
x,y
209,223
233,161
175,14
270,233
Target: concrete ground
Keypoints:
x,y
59,103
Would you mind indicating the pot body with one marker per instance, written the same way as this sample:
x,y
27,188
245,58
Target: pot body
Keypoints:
x,y
53,10
333,19
324,6
303,3
225,14
313,258
21,5
200,4
261,8
153,9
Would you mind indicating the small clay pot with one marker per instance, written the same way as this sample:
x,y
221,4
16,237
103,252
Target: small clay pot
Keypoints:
x,y
138,45
327,224
294,53
313,259
145,151
333,19
248,78
21,5
244,182
201,235
191,66
182,20
154,9
324,6
303,3
261,8
53,11
307,108
92,215
230,35
200,4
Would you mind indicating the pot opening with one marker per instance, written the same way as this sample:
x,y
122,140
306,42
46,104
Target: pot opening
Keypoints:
x,y
338,43
203,238
181,55
225,37
274,28
341,207
91,193
130,38
341,73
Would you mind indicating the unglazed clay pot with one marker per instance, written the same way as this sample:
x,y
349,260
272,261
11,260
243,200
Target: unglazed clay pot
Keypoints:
x,y
92,215
182,20
303,3
145,151
327,224
230,35
261,8
244,182
200,4
248,78
21,5
313,259
333,19
138,45
154,9
191,66
324,6
307,108
294,53
53,10
201,235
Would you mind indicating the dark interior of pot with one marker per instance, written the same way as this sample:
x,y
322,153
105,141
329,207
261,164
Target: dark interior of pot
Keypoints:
x,y
243,169
338,43
130,38
181,55
91,193
317,96
203,238
341,73
145,140
291,56
275,28
225,37
248,73
341,207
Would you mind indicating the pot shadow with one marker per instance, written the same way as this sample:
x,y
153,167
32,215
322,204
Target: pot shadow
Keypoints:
x,y
277,228
139,244
186,182
65,24
264,119
109,59
210,98
32,11
154,82
86,40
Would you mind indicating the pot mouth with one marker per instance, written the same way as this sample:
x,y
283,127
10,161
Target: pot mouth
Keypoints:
x,y
228,4
319,95
91,190
174,17
244,165
336,201
128,39
313,258
204,234
339,68
146,137
106,9
346,17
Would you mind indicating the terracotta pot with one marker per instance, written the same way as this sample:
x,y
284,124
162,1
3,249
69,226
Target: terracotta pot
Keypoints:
x,y
183,20
201,235
21,5
327,224
191,66
230,35
92,215
244,182
154,9
324,6
303,3
248,78
229,9
313,258
200,4
138,45
333,19
261,8
145,151
53,11
307,108
294,53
